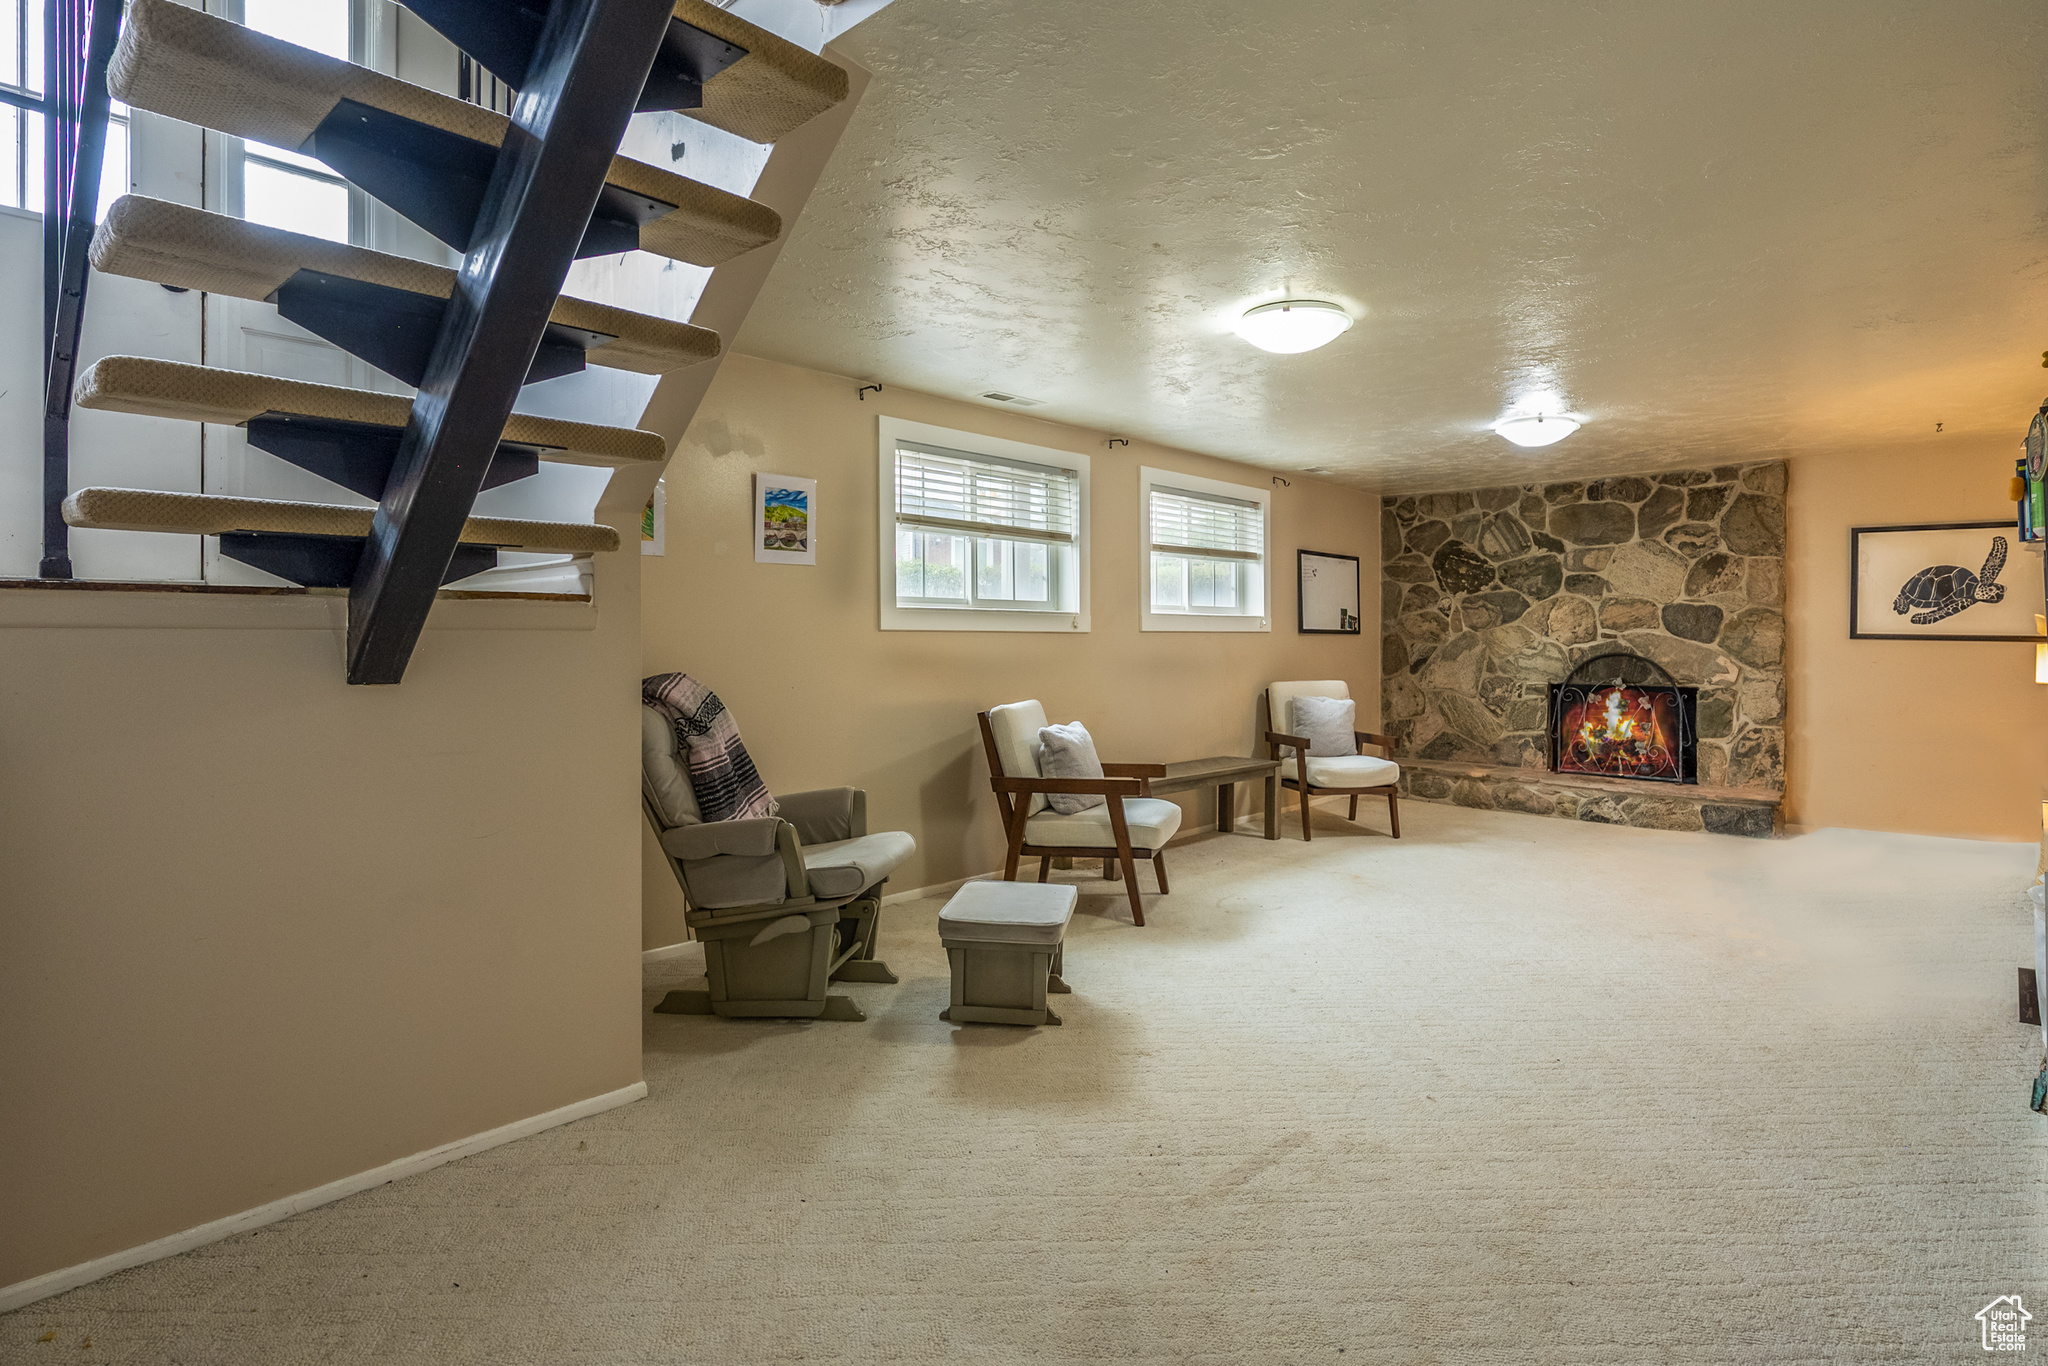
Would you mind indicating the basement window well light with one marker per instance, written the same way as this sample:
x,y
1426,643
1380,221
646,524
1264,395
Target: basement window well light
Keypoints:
x,y
1293,325
987,534
1207,547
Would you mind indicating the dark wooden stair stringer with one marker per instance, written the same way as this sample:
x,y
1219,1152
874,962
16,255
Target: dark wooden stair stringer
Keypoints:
x,y
586,76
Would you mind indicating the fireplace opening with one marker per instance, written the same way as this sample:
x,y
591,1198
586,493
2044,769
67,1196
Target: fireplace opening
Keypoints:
x,y
1622,716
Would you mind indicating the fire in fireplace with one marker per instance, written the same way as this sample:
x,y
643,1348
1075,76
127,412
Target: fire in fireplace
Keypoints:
x,y
1623,716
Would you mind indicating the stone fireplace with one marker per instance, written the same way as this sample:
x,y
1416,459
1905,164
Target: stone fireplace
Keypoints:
x,y
1504,609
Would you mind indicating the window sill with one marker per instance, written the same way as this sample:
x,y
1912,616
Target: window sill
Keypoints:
x,y
1200,621
896,618
173,606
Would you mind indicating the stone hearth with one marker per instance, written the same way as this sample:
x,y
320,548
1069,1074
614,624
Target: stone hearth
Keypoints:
x,y
1608,801
1491,595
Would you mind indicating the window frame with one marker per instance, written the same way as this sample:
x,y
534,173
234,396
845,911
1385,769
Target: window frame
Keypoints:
x,y
1055,575
1257,615
1072,584
373,32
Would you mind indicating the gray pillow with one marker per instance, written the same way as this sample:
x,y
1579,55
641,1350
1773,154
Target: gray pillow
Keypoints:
x,y
1326,723
1068,751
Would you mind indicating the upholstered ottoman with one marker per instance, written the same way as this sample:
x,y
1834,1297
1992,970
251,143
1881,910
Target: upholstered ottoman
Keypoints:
x,y
1004,941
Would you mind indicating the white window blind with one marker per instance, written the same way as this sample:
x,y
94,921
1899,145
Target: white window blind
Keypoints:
x,y
981,495
1207,526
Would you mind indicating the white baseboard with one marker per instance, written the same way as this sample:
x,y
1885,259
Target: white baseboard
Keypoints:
x,y
71,1277
668,951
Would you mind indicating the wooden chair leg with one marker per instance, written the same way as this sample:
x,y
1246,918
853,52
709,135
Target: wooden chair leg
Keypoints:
x,y
1353,817
1118,823
1159,867
1017,818
1131,886
1272,808
1307,833
1044,866
1394,812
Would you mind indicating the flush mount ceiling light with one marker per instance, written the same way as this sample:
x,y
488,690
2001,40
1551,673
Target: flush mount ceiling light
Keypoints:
x,y
1540,430
1293,325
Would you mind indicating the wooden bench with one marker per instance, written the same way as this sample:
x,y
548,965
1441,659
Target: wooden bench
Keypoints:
x,y
1223,773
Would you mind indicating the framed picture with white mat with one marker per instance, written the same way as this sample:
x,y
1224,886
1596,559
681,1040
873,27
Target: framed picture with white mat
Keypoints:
x,y
1943,581
785,519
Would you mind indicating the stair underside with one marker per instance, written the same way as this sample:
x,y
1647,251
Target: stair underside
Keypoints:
x,y
197,393
773,89
206,514
172,244
184,64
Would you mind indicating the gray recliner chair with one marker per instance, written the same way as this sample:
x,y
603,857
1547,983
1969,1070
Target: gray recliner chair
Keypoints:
x,y
782,904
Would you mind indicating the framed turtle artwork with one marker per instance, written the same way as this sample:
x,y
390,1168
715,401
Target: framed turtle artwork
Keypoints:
x,y
1943,581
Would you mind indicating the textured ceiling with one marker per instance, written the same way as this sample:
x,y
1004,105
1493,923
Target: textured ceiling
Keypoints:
x,y
1718,232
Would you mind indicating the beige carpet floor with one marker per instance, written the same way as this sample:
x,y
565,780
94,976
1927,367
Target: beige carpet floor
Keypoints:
x,y
1510,1090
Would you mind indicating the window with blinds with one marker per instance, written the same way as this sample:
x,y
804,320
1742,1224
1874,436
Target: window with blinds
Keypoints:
x,y
983,532
1206,543
1206,526
985,496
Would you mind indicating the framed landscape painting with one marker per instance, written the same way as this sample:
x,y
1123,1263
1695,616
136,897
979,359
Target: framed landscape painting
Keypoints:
x,y
785,519
1943,581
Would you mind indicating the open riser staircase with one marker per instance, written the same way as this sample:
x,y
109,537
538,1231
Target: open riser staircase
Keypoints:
x,y
522,197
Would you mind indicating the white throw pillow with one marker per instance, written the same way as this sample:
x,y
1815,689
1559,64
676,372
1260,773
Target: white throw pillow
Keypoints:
x,y
1326,723
1068,751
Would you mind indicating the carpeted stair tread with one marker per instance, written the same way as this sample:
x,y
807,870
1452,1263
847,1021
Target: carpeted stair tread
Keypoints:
x,y
198,393
185,64
209,514
775,88
174,244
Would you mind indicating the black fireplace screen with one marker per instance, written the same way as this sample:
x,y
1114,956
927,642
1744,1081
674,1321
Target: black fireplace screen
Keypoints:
x,y
1623,716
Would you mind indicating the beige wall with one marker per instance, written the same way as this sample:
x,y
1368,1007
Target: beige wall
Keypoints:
x,y
1928,737
263,930
825,697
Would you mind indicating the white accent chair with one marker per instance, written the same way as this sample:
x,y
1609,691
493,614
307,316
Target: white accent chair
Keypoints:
x,y
1353,775
783,904
1130,824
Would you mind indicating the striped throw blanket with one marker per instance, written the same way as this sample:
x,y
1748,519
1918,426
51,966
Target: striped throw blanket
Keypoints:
x,y
727,786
